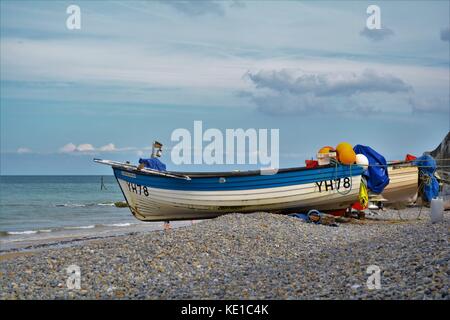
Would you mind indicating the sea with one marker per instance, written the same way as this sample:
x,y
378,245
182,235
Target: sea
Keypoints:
x,y
34,208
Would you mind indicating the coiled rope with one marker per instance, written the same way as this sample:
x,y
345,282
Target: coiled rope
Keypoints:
x,y
421,184
336,165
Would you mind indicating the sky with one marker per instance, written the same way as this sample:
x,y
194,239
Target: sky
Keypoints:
x,y
136,71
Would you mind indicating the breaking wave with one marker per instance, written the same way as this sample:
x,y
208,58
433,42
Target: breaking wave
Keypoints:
x,y
77,205
127,224
84,227
80,227
21,232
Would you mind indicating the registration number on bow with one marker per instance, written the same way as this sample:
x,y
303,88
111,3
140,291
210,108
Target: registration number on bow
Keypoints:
x,y
138,189
334,184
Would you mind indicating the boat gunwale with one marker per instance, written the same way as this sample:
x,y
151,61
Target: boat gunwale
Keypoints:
x,y
219,174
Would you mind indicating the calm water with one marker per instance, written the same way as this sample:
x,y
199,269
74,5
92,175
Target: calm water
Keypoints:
x,y
30,204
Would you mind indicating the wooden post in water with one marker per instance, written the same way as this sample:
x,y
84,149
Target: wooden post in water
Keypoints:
x,y
102,185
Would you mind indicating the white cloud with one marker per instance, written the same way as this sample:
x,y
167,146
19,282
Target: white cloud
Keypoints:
x,y
108,148
197,73
85,147
70,147
89,148
22,150
328,84
147,58
430,105
287,92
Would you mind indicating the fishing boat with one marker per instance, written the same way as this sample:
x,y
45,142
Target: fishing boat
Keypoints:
x,y
403,183
154,195
403,186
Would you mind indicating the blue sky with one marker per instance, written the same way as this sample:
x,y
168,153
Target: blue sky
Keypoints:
x,y
136,71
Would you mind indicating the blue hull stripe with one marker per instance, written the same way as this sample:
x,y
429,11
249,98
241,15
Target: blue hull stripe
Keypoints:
x,y
237,182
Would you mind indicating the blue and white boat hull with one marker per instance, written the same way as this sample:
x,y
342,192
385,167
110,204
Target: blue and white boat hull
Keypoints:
x,y
207,195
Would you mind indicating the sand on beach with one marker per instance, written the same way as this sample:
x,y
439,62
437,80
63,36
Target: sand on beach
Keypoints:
x,y
245,256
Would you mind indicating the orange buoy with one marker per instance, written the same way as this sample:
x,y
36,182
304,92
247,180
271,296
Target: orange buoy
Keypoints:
x,y
345,153
343,145
326,149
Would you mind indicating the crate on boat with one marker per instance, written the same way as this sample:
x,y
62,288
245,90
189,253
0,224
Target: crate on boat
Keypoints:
x,y
325,158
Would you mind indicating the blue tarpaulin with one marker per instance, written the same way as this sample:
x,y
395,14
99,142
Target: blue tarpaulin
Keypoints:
x,y
302,216
427,168
376,174
153,163
307,217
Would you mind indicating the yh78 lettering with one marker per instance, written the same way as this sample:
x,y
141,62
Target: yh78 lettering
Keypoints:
x,y
335,184
137,188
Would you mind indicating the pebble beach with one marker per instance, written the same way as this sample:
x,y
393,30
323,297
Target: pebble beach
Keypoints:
x,y
245,256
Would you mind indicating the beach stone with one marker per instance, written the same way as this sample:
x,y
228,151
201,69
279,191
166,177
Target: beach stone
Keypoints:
x,y
247,256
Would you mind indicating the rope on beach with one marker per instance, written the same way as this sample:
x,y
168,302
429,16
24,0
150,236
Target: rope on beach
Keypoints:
x,y
421,184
